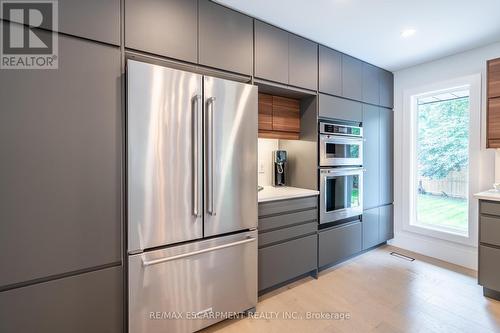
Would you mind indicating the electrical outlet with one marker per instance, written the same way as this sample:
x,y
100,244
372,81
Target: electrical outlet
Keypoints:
x,y
261,167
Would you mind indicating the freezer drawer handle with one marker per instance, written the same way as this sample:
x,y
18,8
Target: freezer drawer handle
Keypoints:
x,y
184,255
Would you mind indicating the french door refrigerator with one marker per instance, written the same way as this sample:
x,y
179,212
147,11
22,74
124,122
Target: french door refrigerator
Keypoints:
x,y
192,198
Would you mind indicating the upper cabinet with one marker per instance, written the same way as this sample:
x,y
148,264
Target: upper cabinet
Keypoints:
x,y
225,38
494,78
493,104
386,88
279,117
165,27
330,71
345,76
285,58
352,77
303,62
370,90
271,53
92,19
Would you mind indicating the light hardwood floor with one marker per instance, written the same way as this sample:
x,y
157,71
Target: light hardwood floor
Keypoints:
x,y
382,294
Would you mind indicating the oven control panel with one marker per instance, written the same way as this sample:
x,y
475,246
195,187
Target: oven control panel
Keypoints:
x,y
340,129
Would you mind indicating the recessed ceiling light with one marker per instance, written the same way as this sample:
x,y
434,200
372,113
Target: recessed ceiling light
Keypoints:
x,y
408,32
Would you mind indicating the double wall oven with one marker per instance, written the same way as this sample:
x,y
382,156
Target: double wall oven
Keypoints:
x,y
341,171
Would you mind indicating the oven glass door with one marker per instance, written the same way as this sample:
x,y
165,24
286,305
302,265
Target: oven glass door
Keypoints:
x,y
341,151
341,193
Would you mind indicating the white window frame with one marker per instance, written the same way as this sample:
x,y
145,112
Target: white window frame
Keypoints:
x,y
408,172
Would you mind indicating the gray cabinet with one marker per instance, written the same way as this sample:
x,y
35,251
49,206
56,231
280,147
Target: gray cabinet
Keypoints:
x,y
386,223
489,248
386,156
165,27
371,156
370,80
352,77
271,53
90,302
287,240
339,243
489,227
93,19
282,262
339,108
61,154
303,63
285,58
286,206
225,38
330,71
386,86
371,228
489,269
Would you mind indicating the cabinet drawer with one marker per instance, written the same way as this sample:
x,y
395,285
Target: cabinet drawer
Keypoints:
x,y
488,207
490,230
285,206
282,262
280,221
275,236
90,302
489,269
339,243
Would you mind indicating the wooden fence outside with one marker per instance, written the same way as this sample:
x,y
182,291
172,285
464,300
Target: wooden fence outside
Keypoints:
x,y
455,185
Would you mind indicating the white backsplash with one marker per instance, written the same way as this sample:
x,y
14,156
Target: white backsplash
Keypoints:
x,y
265,166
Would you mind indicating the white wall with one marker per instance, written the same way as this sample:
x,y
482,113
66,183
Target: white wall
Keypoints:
x,y
459,65
265,154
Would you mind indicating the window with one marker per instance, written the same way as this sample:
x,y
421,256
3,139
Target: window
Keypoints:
x,y
439,166
441,161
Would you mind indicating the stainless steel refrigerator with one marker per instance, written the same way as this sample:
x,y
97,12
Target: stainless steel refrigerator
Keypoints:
x,y
192,198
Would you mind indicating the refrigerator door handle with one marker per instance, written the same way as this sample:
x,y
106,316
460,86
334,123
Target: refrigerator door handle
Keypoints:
x,y
190,254
196,155
210,148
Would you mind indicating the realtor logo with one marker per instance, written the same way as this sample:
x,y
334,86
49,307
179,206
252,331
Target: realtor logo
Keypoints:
x,y
27,42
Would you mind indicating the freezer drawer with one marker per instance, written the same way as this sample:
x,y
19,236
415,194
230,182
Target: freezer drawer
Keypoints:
x,y
205,278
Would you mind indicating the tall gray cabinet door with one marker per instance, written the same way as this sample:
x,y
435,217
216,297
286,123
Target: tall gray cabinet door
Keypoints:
x,y
330,71
89,302
371,228
386,156
60,147
303,67
271,53
386,223
371,156
226,38
352,77
386,89
164,27
370,84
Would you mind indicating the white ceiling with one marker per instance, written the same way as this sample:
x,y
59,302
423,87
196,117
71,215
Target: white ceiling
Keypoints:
x,y
371,29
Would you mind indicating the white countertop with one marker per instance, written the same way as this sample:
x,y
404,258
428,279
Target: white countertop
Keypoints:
x,y
493,195
270,193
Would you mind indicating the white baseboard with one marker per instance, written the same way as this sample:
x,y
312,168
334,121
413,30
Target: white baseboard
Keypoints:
x,y
454,253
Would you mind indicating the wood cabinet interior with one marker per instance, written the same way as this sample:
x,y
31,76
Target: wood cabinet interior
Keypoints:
x,y
493,109
279,117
